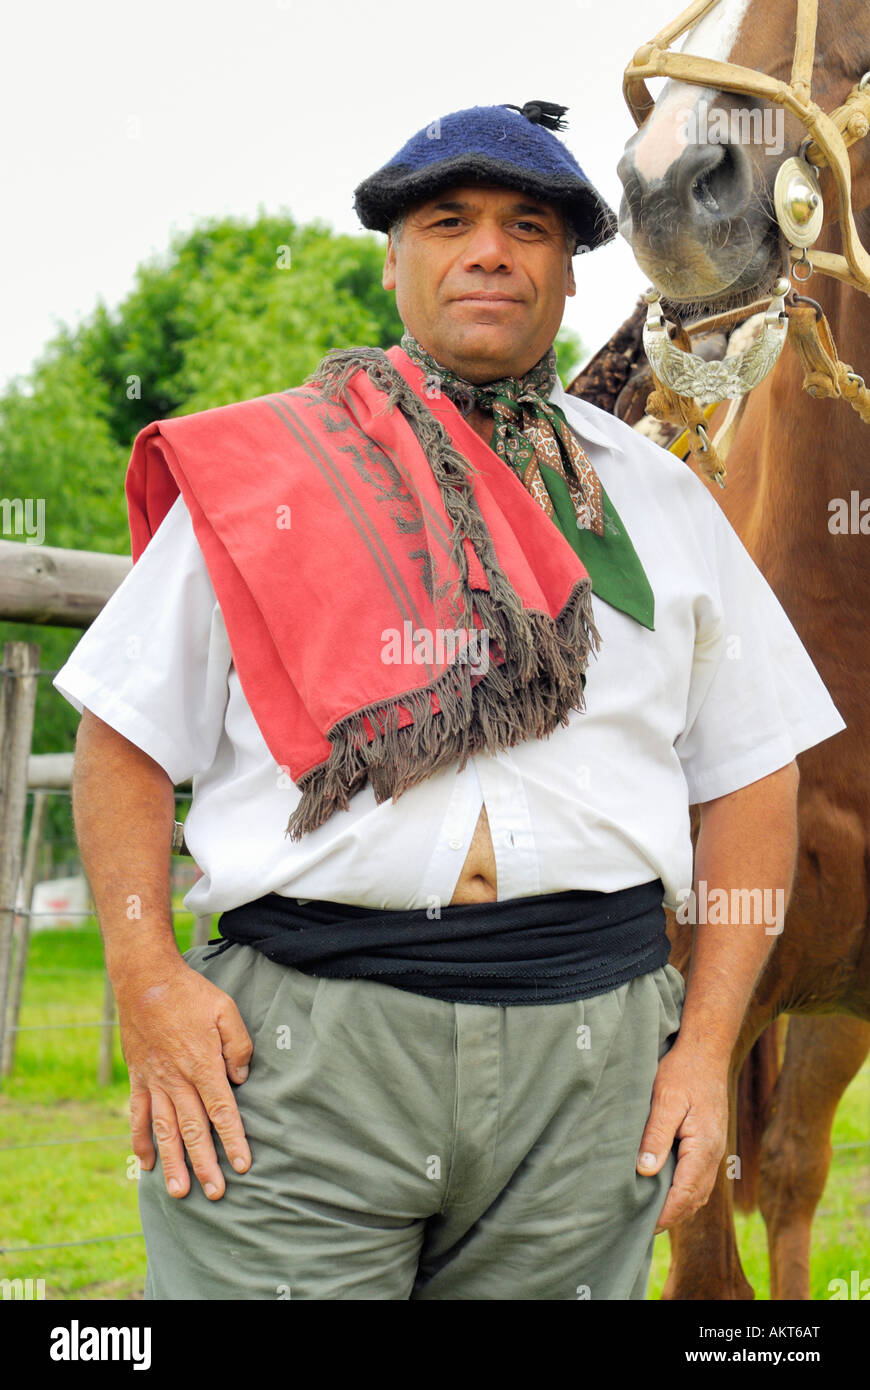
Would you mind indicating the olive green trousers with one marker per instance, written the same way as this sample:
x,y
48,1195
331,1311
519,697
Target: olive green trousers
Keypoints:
x,y
408,1148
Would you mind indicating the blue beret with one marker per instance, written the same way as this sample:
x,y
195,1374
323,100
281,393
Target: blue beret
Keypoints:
x,y
488,145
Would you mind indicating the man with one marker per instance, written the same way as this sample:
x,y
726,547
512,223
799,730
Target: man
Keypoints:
x,y
444,1002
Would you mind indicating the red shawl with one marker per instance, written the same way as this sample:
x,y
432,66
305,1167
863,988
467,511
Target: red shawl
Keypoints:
x,y
353,530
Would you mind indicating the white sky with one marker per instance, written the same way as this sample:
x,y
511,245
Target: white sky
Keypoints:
x,y
124,122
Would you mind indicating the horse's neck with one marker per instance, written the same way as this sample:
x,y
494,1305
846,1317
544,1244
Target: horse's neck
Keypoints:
x,y
794,454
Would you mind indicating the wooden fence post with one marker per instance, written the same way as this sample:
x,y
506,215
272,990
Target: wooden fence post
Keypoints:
x,y
34,841
17,703
202,930
107,1036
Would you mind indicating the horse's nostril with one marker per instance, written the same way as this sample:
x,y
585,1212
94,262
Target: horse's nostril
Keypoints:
x,y
702,192
719,189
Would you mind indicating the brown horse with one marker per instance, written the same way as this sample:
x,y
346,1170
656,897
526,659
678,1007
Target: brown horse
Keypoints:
x,y
784,1117
699,216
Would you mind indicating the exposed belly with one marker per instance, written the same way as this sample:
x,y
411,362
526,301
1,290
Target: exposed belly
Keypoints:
x,y
478,881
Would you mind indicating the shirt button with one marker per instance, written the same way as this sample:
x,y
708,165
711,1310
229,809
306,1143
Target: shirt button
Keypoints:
x,y
456,844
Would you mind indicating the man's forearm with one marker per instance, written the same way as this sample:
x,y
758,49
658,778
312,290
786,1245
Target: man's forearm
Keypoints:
x,y
745,858
747,842
184,1040
124,809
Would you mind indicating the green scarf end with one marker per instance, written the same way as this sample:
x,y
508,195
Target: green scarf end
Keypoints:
x,y
617,575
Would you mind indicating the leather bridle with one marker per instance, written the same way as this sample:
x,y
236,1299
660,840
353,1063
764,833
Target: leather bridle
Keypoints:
x,y
829,135
683,380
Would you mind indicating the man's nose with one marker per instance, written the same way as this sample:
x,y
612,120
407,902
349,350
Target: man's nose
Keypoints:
x,y
488,248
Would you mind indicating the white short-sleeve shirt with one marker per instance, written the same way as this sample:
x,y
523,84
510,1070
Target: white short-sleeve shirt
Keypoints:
x,y
721,694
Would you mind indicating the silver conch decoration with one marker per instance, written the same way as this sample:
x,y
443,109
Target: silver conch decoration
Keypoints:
x,y
797,201
708,382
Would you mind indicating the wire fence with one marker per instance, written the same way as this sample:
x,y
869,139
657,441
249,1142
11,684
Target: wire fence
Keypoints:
x,y
67,1244
55,858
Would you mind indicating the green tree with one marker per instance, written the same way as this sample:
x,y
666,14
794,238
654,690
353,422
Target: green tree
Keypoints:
x,y
232,310
569,354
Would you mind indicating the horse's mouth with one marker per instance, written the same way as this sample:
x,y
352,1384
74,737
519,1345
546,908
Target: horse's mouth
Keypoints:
x,y
756,281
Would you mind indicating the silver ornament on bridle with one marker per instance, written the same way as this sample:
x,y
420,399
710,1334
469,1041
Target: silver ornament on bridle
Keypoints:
x,y
689,375
800,212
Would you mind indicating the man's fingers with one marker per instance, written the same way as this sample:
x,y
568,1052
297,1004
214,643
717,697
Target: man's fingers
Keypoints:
x,y
169,1143
193,1124
235,1040
181,1123
694,1179
667,1113
224,1114
140,1127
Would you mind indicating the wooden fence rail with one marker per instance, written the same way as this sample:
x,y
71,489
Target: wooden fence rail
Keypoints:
x,y
62,588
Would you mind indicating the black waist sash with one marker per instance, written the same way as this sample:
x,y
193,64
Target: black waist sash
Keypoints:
x,y
536,950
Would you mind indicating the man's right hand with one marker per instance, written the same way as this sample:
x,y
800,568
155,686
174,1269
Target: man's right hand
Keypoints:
x,y
184,1042
182,1036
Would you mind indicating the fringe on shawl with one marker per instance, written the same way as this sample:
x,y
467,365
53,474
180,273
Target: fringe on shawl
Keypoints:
x,y
538,684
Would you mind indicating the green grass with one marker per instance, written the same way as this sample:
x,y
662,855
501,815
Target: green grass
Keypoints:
x,y
841,1229
69,1192
73,1192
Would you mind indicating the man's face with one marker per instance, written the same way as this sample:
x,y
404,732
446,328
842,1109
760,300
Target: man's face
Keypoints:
x,y
481,274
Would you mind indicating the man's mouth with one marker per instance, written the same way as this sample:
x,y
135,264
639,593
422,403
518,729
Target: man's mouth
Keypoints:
x,y
485,297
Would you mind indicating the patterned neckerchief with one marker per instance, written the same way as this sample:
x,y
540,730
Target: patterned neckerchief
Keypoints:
x,y
529,430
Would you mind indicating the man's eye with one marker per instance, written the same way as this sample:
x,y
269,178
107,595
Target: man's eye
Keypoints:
x,y
523,226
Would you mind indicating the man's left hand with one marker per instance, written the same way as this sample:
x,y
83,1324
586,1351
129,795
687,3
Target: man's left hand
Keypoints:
x,y
689,1103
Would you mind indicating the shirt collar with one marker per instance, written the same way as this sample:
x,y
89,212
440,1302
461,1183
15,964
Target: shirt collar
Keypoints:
x,y
585,419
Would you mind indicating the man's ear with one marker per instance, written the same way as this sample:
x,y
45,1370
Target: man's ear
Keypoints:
x,y
572,283
388,279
